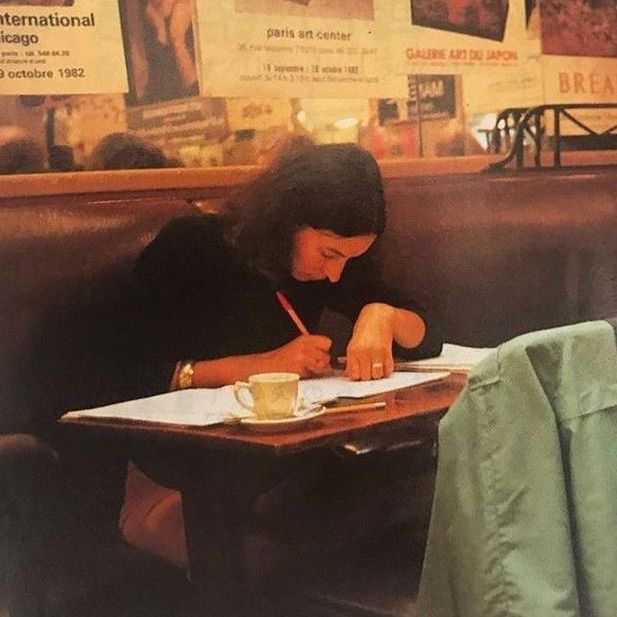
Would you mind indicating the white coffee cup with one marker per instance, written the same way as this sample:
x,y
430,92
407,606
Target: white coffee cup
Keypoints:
x,y
274,395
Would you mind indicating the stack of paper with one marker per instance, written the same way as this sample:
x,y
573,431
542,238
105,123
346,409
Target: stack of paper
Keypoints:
x,y
193,407
454,358
206,406
325,389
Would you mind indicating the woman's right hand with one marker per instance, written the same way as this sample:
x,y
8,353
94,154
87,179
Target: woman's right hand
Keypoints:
x,y
306,355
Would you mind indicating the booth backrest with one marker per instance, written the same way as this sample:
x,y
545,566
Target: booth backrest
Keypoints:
x,y
58,255
493,256
497,256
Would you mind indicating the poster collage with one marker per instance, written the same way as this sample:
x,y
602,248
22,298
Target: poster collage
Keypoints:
x,y
203,67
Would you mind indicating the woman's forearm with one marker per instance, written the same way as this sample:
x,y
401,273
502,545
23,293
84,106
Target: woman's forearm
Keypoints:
x,y
307,355
408,328
224,371
402,325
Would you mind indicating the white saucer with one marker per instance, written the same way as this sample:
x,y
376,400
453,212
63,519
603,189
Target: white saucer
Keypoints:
x,y
282,424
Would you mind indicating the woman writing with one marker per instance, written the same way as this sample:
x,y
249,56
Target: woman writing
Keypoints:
x,y
206,287
203,311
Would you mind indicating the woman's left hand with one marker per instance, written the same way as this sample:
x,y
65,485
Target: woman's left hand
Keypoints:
x,y
369,352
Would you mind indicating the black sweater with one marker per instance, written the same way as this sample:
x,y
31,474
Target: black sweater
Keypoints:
x,y
191,297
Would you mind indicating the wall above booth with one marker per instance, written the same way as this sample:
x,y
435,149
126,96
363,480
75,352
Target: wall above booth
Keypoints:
x,y
216,83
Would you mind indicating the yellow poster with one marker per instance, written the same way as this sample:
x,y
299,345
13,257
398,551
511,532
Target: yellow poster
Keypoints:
x,y
518,87
61,47
294,48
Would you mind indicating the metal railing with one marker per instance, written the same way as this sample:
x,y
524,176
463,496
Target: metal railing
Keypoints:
x,y
499,139
531,129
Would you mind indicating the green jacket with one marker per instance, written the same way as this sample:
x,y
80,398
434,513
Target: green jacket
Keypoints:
x,y
524,519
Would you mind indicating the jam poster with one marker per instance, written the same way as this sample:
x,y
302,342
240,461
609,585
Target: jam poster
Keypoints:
x,y
295,48
61,47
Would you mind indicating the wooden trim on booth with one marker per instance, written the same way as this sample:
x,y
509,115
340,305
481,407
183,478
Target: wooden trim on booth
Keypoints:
x,y
216,181
202,178
120,181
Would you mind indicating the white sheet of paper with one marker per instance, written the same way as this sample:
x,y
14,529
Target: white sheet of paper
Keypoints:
x,y
452,357
326,389
196,407
206,406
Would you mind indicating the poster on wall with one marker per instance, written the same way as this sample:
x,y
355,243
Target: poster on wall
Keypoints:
x,y
174,125
579,59
163,103
160,50
579,45
431,97
458,36
294,48
61,47
518,87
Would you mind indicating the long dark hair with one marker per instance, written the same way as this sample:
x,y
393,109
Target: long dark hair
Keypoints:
x,y
337,187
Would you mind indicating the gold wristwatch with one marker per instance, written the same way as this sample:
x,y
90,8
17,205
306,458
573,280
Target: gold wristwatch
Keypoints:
x,y
185,374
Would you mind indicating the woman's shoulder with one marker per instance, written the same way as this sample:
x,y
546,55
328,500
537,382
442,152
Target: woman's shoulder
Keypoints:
x,y
187,244
201,234
198,225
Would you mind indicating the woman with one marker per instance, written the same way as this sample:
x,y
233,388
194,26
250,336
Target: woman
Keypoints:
x,y
204,312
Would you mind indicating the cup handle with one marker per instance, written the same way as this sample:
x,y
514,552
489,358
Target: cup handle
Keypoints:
x,y
239,387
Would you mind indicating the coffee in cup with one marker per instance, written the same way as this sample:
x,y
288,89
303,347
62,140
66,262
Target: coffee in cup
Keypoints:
x,y
274,395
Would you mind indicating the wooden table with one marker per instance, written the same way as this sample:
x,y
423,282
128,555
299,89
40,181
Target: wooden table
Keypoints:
x,y
222,469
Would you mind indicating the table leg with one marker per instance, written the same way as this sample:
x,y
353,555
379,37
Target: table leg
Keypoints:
x,y
217,515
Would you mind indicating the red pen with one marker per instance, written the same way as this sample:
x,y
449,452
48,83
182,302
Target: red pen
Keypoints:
x,y
280,296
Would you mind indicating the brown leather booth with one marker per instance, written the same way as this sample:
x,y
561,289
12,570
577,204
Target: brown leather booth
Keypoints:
x,y
494,256
499,255
60,255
